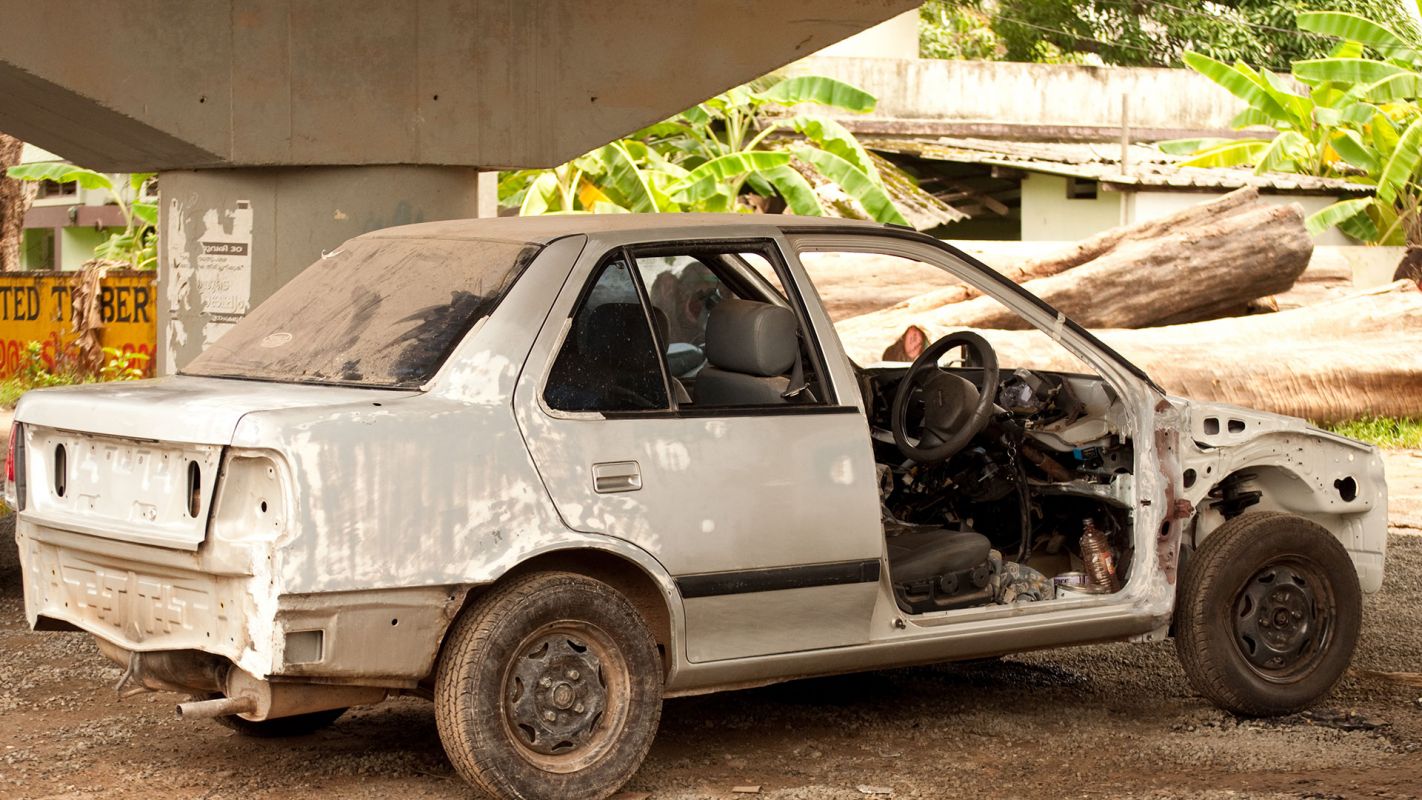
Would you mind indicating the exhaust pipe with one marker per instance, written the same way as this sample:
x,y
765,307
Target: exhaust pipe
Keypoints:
x,y
221,707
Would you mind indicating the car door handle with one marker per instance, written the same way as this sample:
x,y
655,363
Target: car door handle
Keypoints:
x,y
616,476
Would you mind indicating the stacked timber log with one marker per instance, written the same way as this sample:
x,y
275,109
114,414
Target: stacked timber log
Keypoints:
x,y
1182,298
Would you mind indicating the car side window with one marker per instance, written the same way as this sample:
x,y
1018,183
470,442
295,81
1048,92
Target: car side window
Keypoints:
x,y
609,361
727,341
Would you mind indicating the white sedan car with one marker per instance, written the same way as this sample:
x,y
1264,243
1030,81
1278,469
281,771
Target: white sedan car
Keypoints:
x,y
546,472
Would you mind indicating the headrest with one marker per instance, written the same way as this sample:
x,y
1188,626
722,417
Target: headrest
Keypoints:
x,y
754,338
609,329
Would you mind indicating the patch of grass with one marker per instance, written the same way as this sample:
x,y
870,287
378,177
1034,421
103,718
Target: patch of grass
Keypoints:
x,y
1388,432
10,391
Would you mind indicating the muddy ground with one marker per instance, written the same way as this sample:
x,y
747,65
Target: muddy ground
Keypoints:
x,y
1113,721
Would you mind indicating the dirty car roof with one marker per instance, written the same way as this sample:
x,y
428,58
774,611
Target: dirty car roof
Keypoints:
x,y
543,229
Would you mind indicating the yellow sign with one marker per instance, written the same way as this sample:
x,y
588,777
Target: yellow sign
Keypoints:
x,y
36,307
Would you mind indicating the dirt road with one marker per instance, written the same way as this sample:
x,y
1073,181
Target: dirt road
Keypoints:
x,y
1104,721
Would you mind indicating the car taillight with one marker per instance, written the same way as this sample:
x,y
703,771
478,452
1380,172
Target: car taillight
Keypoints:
x,y
14,471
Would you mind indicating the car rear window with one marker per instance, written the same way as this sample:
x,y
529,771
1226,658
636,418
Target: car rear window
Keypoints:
x,y
375,312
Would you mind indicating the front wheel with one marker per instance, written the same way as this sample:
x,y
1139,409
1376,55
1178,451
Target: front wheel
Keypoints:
x,y
1268,613
549,686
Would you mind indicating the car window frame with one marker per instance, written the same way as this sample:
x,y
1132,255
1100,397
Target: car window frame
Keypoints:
x,y
603,264
773,251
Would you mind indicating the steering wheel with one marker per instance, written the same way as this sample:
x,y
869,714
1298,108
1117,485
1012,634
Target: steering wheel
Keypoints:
x,y
954,409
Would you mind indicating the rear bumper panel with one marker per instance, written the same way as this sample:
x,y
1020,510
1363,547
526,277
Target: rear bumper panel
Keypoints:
x,y
140,605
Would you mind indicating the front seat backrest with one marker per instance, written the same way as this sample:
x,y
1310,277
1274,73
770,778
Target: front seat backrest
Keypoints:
x,y
749,348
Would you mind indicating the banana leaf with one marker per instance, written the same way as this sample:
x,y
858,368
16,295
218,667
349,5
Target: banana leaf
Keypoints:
x,y
1251,117
62,173
543,196
1337,213
1285,153
835,138
1185,147
1358,29
1401,86
820,90
1402,164
854,182
1350,147
797,192
701,183
146,212
1235,153
1239,83
623,181
1344,70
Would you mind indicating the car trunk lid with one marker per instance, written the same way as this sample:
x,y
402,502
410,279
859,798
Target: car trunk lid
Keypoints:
x,y
139,461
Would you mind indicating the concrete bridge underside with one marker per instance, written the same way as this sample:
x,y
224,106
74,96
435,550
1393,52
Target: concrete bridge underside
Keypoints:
x,y
291,125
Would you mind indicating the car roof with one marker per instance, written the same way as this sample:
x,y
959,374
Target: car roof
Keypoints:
x,y
543,229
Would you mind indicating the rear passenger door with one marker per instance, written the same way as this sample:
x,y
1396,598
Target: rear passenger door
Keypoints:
x,y
766,513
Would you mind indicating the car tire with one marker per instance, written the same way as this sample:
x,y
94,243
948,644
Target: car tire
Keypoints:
x,y
549,686
1267,614
279,728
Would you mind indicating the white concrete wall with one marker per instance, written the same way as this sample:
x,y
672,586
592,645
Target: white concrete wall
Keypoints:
x,y
1049,215
1153,205
1032,94
894,38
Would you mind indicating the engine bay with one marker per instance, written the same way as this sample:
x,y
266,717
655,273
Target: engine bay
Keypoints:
x,y
1046,482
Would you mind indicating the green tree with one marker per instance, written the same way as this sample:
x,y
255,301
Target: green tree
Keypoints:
x,y
738,151
1153,32
957,29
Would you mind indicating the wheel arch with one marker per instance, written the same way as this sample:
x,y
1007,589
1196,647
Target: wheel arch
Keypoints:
x,y
650,590
1282,488
1278,488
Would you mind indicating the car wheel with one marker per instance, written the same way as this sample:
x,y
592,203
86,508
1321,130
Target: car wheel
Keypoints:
x,y
549,686
279,728
1267,614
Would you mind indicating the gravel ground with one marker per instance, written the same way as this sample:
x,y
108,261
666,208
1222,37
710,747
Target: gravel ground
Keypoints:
x,y
1101,721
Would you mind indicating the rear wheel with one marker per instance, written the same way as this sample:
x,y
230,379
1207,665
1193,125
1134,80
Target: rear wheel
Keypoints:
x,y
549,686
1268,614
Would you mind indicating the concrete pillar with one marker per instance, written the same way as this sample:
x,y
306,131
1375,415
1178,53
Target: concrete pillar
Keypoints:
x,y
231,237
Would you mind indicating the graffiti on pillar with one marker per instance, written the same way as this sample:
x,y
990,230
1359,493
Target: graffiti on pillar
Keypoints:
x,y
210,274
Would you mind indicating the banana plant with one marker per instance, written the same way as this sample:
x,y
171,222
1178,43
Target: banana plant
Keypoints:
x,y
752,141
136,244
1352,115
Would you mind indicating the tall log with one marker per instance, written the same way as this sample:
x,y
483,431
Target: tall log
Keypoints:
x,y
1339,360
15,198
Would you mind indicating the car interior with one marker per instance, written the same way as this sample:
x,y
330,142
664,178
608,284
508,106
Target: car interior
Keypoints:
x,y
998,484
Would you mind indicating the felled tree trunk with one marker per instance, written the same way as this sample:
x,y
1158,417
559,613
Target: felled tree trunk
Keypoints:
x,y
1339,360
1203,262
1091,248
1190,274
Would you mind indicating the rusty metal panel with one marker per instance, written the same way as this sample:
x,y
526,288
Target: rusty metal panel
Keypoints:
x,y
36,307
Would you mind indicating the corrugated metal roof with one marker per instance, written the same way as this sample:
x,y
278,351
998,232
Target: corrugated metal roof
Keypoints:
x,y
1147,166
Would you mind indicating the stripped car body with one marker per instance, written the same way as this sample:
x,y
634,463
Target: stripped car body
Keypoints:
x,y
307,544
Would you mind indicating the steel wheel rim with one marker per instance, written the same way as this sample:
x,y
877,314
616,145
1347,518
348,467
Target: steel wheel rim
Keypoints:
x,y
564,696
1283,619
